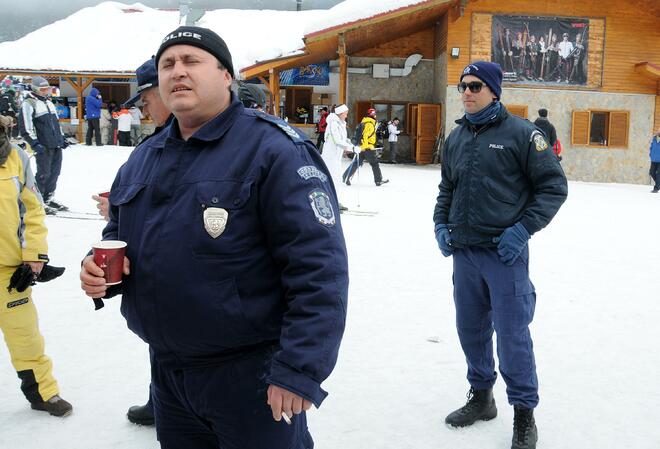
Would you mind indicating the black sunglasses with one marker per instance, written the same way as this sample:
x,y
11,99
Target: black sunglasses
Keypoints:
x,y
474,86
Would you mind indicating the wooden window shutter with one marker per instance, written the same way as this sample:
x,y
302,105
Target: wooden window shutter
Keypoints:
x,y
580,128
619,123
361,108
520,111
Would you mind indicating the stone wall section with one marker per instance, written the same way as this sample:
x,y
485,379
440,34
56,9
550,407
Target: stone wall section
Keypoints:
x,y
581,163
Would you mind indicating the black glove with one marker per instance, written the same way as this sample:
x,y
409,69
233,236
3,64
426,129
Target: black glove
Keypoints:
x,y
22,278
49,273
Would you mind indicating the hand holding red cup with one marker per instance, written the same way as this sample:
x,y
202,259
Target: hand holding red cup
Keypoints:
x,y
109,256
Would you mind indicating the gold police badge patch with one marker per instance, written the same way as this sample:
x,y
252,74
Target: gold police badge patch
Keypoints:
x,y
215,221
540,142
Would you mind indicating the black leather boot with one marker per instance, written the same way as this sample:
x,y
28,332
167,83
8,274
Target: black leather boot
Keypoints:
x,y
141,414
56,406
480,406
525,434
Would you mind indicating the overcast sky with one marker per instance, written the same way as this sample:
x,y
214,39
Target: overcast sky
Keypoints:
x,y
24,16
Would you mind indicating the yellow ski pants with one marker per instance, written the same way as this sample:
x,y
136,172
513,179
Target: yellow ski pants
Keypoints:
x,y
20,326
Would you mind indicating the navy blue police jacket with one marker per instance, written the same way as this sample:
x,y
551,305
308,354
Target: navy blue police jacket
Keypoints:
x,y
235,242
494,176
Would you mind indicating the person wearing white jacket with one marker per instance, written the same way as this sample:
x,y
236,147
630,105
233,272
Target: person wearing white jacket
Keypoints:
x,y
336,143
393,129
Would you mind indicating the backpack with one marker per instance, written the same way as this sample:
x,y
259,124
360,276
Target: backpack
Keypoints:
x,y
357,137
557,148
383,130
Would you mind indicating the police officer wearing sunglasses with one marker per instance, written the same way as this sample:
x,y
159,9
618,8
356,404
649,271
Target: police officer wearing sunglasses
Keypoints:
x,y
500,184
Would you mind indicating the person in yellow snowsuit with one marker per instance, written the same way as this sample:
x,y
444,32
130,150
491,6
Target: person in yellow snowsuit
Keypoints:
x,y
367,150
23,242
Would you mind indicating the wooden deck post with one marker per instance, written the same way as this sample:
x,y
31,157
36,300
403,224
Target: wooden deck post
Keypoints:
x,y
79,106
274,83
343,69
80,88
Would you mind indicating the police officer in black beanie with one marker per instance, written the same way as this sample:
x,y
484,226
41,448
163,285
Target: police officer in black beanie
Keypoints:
x,y
236,271
501,183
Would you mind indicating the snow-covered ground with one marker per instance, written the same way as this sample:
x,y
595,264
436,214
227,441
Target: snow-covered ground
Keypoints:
x,y
595,333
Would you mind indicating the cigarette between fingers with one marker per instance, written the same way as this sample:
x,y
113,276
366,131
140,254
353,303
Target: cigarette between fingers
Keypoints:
x,y
286,418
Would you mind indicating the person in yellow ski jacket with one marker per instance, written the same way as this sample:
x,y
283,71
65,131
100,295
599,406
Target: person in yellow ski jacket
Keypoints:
x,y
368,151
23,242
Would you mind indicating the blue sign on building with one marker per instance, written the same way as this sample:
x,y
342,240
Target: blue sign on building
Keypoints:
x,y
308,75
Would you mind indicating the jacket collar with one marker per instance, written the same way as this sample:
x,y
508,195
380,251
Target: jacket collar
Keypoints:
x,y
501,116
213,130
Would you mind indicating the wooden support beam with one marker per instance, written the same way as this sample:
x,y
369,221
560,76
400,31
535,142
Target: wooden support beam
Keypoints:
x,y
72,82
76,83
274,83
81,119
89,81
343,69
264,81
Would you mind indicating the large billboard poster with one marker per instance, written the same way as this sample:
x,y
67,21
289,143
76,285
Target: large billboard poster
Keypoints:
x,y
541,50
308,75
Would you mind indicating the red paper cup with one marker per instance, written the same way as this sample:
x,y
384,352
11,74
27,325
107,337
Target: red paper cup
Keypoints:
x,y
109,256
104,194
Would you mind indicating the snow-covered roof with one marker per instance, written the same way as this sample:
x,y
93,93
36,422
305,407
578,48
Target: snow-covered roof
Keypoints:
x,y
116,37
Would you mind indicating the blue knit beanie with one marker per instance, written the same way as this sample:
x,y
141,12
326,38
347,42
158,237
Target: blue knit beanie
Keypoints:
x,y
488,72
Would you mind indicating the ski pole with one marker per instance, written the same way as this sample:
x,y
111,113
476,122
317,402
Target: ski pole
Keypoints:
x,y
357,155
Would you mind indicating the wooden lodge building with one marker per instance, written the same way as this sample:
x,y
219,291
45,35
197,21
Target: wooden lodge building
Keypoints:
x,y
602,91
601,87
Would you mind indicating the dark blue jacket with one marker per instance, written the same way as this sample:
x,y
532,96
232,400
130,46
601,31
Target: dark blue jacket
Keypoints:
x,y
38,122
93,104
277,274
654,149
495,176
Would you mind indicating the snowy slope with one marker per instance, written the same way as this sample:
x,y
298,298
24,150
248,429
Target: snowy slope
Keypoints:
x,y
114,36
595,268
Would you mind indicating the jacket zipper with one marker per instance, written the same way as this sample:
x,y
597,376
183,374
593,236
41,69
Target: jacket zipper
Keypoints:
x,y
475,134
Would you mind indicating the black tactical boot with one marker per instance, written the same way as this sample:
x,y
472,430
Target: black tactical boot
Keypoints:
x,y
56,406
55,205
480,406
141,414
525,434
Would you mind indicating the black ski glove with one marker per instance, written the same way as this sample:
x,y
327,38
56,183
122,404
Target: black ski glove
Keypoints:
x,y
49,273
24,277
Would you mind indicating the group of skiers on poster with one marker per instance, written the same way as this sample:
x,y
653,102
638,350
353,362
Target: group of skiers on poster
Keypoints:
x,y
544,58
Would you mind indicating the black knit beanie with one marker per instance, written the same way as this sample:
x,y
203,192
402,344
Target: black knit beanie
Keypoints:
x,y
198,37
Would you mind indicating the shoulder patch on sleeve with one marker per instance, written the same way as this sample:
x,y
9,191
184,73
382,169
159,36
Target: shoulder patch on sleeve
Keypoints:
x,y
309,171
539,141
282,125
322,207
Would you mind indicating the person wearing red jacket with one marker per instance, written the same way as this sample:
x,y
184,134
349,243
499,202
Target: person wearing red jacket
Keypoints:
x,y
321,126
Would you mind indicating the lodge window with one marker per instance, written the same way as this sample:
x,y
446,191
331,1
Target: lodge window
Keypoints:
x,y
600,128
515,109
389,110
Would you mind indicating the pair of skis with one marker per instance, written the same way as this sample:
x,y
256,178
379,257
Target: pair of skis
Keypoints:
x,y
358,212
72,215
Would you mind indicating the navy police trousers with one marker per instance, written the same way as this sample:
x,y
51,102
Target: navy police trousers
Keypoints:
x,y
49,166
222,406
491,296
